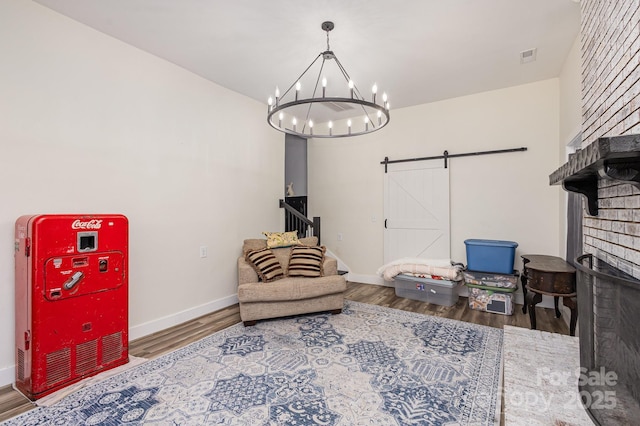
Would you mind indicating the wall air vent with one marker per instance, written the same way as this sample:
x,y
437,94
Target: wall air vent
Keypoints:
x,y
527,56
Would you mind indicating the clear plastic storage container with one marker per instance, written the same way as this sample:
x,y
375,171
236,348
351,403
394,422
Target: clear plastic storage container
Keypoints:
x,y
440,292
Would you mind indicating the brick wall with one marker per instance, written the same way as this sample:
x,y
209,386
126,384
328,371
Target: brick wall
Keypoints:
x,y
610,46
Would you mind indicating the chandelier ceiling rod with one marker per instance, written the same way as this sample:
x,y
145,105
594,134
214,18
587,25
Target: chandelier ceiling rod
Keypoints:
x,y
315,88
301,75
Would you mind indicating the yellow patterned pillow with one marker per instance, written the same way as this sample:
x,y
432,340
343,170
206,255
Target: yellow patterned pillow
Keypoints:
x,y
282,239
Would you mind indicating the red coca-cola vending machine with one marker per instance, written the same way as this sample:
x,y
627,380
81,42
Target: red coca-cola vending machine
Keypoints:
x,y
71,296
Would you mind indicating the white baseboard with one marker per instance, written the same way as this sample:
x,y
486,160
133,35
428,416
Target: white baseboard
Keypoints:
x,y
341,265
7,374
163,323
369,279
547,302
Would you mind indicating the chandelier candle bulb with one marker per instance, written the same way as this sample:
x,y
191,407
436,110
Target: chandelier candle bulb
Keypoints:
x,y
311,127
374,90
324,86
280,117
349,124
277,95
294,121
351,88
366,124
298,86
330,128
379,118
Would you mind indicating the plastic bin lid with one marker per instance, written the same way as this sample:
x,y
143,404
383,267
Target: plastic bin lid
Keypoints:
x,y
492,243
490,275
491,288
441,283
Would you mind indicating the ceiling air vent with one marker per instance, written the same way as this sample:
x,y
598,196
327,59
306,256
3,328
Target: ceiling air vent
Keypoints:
x,y
338,106
527,56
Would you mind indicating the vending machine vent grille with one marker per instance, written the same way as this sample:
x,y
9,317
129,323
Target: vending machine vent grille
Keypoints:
x,y
111,347
20,364
58,366
86,357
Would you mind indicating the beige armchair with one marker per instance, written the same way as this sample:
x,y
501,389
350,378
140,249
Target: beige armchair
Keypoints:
x,y
289,295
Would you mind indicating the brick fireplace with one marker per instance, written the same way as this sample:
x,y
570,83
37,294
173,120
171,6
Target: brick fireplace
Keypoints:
x,y
610,46
607,172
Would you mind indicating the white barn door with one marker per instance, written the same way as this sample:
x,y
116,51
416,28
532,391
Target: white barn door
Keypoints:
x,y
416,208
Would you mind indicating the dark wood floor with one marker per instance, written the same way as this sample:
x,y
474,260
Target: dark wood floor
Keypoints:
x,y
152,346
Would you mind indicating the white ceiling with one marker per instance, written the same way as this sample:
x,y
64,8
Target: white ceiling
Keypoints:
x,y
418,51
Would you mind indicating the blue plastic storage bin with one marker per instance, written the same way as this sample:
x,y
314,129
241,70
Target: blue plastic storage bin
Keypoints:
x,y
491,255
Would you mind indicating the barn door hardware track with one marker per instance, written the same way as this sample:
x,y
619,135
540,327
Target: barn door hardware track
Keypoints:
x,y
446,156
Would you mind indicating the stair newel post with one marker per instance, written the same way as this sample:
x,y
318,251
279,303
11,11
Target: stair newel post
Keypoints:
x,y
316,228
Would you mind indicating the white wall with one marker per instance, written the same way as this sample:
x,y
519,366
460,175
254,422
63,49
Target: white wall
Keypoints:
x,y
91,125
570,98
570,118
503,197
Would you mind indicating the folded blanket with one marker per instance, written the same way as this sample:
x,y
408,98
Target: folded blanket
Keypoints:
x,y
417,261
421,267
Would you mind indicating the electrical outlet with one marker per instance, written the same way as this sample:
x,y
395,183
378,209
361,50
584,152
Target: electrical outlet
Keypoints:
x,y
203,251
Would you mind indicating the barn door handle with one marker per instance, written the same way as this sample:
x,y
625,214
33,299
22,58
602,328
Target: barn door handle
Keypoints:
x,y
385,224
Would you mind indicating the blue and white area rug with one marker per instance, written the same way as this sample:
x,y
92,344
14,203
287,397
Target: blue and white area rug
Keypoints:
x,y
367,366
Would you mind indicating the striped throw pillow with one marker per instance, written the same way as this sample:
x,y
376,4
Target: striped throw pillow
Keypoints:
x,y
265,264
306,261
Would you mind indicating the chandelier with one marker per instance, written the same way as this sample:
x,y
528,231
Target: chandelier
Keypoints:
x,y
323,114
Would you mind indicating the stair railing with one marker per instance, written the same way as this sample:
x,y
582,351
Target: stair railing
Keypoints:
x,y
294,220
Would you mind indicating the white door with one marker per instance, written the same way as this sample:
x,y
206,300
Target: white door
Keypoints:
x,y
416,207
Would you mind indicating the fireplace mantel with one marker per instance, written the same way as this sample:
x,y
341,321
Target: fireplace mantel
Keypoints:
x,y
616,157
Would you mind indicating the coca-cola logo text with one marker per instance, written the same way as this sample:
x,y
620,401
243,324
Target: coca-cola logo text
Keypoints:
x,y
89,224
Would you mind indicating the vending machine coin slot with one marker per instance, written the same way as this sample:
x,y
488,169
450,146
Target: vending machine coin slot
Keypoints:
x,y
103,265
80,261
